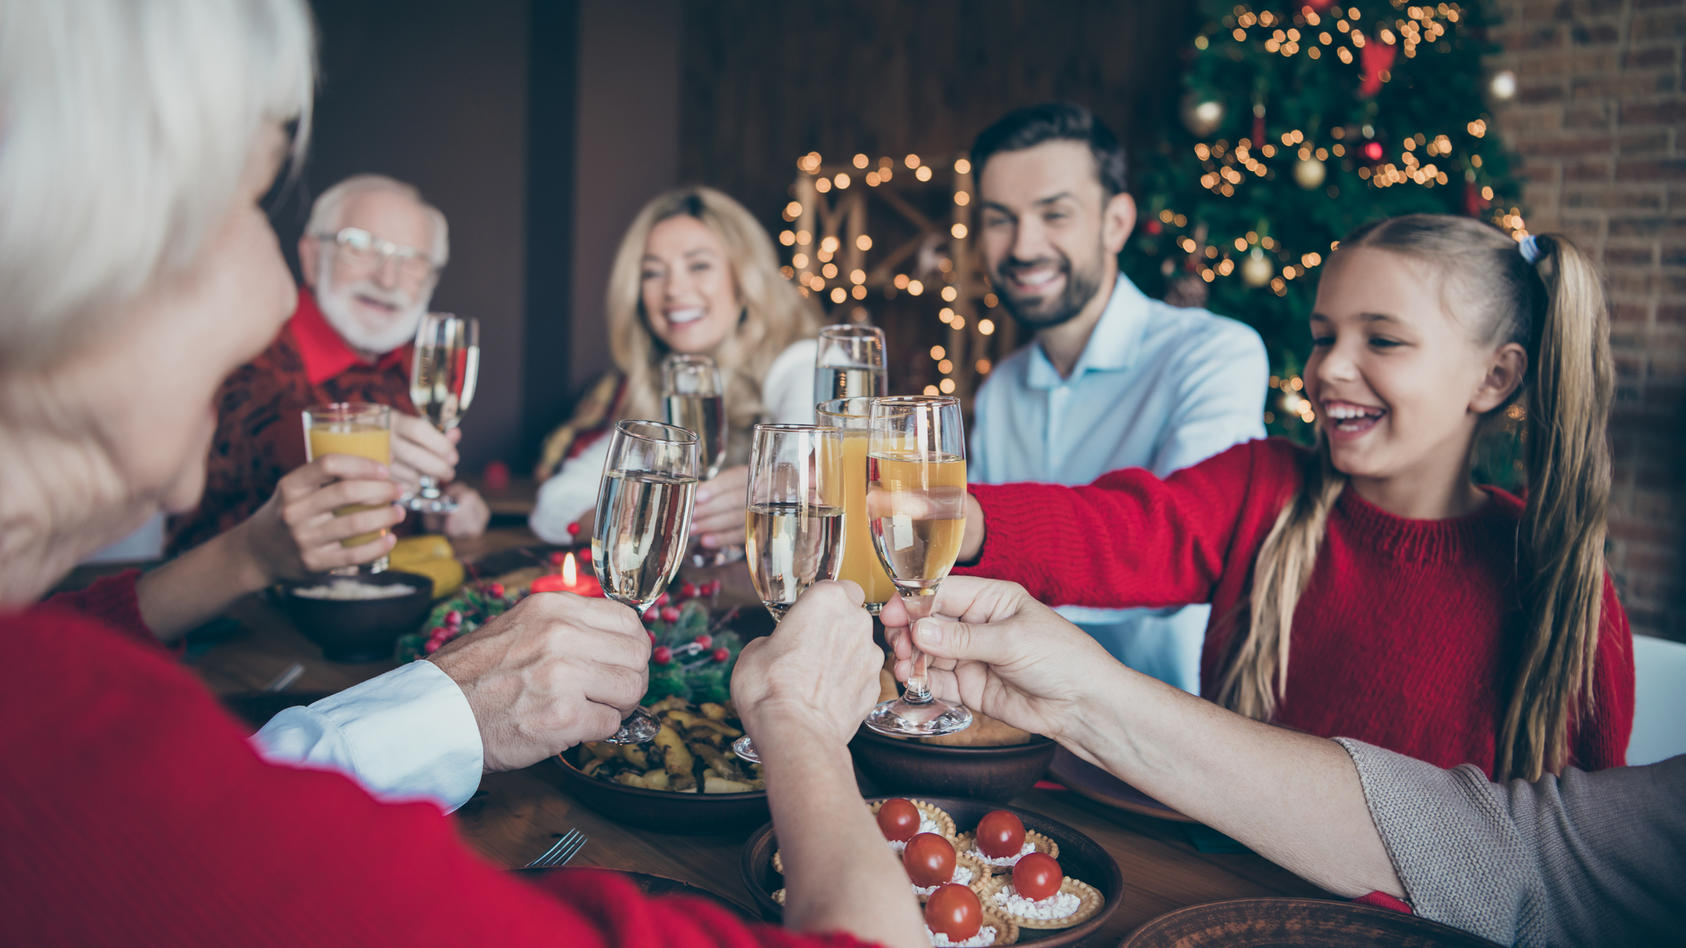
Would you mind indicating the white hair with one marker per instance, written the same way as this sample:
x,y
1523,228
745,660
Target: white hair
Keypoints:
x,y
325,213
125,128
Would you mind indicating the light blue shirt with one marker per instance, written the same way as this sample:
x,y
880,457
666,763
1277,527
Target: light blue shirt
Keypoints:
x,y
1156,387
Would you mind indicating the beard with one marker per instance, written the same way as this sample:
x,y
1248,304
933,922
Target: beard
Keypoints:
x,y
340,307
1038,313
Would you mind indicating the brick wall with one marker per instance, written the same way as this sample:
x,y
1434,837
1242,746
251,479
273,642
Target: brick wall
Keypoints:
x,y
1598,119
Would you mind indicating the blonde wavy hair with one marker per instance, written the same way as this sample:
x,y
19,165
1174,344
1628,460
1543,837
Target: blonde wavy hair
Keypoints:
x,y
775,314
1555,309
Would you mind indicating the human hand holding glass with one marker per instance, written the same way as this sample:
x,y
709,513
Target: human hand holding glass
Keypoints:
x,y
642,525
916,506
794,518
444,369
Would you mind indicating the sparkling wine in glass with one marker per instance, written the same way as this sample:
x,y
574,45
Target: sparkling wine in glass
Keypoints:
x,y
693,398
849,362
916,505
853,417
794,520
444,368
643,525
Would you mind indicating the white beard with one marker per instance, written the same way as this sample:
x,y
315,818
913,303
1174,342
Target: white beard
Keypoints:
x,y
339,306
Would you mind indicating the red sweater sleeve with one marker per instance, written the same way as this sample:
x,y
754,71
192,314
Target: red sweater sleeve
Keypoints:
x,y
133,809
1128,539
1601,738
113,600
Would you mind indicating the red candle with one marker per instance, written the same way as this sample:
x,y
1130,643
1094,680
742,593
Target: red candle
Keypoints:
x,y
569,580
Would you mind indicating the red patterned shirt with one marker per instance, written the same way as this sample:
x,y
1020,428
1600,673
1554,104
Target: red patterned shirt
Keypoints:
x,y
260,429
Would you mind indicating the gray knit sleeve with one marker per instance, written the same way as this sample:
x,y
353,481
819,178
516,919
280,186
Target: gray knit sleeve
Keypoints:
x,y
1585,859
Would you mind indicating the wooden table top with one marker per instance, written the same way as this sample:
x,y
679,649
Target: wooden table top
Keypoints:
x,y
517,815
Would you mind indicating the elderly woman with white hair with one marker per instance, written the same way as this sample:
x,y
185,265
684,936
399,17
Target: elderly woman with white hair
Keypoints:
x,y
136,270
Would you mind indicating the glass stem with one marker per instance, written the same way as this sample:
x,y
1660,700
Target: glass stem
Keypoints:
x,y
918,689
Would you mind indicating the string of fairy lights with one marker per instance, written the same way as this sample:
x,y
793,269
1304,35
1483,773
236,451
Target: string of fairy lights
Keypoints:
x,y
832,265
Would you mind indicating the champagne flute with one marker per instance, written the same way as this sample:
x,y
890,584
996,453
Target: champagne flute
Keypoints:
x,y
643,520
853,417
444,367
916,504
794,520
849,362
693,398
361,430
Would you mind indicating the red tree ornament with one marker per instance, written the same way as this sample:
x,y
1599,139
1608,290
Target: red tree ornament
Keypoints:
x,y
1319,5
1376,58
1373,150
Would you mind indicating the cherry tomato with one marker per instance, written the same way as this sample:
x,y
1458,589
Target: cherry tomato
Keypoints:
x,y
898,819
929,859
1000,834
954,910
1037,876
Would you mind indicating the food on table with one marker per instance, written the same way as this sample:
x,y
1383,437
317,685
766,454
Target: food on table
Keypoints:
x,y
691,753
954,912
898,819
1000,834
1037,876
346,588
1039,895
932,819
928,859
967,844
429,556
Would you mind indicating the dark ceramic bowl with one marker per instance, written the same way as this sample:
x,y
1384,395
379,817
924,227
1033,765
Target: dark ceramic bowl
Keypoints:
x,y
359,630
901,765
1308,923
662,810
1080,858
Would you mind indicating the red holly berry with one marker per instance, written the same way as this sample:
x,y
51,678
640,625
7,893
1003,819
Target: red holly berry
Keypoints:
x,y
557,558
689,590
661,600
669,614
713,587
574,529
721,655
496,590
432,646
662,655
704,640
453,618
585,555
652,636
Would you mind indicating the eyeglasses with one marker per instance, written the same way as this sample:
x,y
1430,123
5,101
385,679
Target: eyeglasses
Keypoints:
x,y
358,248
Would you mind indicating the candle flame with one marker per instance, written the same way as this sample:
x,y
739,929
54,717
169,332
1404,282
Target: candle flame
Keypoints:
x,y
570,572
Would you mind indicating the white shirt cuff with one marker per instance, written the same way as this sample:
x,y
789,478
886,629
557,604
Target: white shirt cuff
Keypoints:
x,y
406,735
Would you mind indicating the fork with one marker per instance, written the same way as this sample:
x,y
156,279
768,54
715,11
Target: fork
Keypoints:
x,y
559,854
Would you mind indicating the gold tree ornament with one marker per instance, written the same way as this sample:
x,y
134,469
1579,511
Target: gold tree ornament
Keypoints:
x,y
1256,270
1309,173
1202,117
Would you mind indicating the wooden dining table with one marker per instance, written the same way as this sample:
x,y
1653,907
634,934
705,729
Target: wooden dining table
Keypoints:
x,y
517,816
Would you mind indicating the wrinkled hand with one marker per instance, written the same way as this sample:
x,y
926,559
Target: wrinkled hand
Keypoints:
x,y
717,520
468,520
817,671
555,670
419,448
994,648
295,533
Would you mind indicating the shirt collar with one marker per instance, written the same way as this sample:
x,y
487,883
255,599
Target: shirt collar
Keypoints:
x,y
324,352
1113,344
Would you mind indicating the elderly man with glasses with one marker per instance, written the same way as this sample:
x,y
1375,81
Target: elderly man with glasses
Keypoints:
x,y
370,256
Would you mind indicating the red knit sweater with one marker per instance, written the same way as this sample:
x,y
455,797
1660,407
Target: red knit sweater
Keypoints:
x,y
133,811
1406,636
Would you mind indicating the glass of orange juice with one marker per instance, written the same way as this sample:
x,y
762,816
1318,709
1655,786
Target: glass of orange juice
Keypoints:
x,y
358,429
860,561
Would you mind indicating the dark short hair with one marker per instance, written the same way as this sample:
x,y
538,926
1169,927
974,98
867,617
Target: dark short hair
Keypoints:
x,y
1050,122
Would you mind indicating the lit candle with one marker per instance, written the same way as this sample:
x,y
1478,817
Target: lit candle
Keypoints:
x,y
569,580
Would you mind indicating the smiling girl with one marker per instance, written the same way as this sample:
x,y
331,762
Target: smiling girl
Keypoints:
x,y
694,274
1367,586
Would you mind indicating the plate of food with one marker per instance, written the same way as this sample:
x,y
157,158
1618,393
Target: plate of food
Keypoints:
x,y
984,874
1087,780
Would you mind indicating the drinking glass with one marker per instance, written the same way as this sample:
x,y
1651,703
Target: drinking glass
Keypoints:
x,y
849,362
693,398
853,417
643,524
443,371
916,505
361,430
794,519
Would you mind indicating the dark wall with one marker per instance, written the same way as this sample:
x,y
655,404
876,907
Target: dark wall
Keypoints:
x,y
435,93
766,82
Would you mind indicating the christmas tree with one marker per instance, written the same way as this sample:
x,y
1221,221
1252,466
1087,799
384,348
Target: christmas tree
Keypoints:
x,y
1297,124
